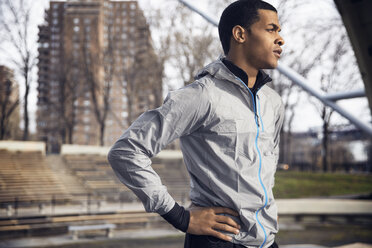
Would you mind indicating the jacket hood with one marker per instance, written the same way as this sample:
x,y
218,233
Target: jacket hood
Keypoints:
x,y
218,70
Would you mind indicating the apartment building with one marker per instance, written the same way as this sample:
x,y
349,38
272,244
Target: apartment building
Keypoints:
x,y
97,71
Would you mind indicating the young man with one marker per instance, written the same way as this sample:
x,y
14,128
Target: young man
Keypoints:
x,y
228,122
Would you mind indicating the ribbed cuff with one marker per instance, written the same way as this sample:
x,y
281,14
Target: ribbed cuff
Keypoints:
x,y
179,217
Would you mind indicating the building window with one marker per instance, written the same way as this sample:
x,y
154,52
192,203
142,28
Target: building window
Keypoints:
x,y
55,29
87,37
76,20
76,46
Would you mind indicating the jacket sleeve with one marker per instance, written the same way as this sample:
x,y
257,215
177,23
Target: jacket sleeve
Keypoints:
x,y
278,127
182,112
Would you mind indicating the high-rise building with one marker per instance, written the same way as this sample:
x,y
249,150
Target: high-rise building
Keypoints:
x,y
9,105
97,68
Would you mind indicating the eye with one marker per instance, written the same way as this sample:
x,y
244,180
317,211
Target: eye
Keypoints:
x,y
271,30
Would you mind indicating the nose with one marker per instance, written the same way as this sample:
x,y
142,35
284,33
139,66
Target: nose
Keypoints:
x,y
279,40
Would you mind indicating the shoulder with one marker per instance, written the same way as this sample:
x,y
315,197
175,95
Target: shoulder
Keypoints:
x,y
196,90
193,97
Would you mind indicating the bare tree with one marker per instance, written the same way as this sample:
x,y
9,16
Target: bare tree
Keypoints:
x,y
98,86
340,156
66,101
310,58
142,66
159,19
9,101
335,78
131,84
15,23
194,45
187,46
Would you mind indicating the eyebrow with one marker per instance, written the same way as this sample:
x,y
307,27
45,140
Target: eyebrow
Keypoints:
x,y
276,27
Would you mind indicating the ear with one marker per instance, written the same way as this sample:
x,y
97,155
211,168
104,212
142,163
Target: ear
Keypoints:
x,y
238,34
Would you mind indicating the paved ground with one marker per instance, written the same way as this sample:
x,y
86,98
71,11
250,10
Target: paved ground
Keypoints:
x,y
149,239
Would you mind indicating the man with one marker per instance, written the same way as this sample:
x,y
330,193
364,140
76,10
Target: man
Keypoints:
x,y
228,122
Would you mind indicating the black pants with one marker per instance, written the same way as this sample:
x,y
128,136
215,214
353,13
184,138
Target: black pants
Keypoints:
x,y
202,241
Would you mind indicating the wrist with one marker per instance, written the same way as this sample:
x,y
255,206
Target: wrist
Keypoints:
x,y
179,217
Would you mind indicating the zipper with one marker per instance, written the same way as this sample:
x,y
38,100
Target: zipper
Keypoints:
x,y
258,119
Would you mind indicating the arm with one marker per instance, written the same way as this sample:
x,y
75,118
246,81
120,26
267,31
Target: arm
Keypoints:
x,y
278,127
183,112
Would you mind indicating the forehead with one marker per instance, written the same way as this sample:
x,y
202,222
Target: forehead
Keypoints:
x,y
267,17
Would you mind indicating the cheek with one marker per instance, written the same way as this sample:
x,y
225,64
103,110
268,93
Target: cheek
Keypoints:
x,y
261,47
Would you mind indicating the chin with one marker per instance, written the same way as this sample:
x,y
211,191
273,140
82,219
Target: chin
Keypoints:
x,y
271,66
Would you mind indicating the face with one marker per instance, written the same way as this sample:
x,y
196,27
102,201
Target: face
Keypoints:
x,y
262,44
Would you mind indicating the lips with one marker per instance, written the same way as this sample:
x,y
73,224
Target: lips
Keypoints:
x,y
277,52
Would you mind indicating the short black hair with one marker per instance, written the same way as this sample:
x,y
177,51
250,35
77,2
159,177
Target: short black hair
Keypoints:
x,y
243,13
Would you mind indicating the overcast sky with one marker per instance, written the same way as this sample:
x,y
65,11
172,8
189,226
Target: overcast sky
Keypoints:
x,y
306,116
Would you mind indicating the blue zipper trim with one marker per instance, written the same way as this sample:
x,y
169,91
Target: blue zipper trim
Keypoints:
x,y
260,158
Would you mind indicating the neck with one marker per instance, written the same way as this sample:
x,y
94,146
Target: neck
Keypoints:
x,y
245,66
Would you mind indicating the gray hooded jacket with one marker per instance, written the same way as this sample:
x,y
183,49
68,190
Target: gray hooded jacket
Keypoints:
x,y
229,145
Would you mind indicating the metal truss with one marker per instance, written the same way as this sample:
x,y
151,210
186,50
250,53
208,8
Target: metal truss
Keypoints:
x,y
328,100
